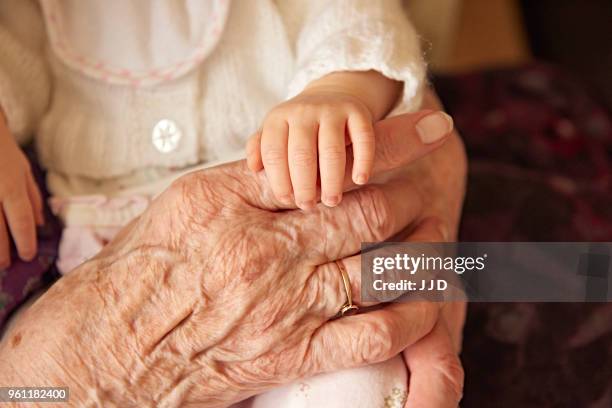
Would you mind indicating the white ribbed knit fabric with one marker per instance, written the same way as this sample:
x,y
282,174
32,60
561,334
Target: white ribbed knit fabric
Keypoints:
x,y
92,79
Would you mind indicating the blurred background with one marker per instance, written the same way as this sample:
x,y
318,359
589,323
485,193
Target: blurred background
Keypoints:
x,y
467,35
529,85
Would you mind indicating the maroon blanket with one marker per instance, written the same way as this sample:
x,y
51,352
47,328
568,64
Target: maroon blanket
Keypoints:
x,y
540,152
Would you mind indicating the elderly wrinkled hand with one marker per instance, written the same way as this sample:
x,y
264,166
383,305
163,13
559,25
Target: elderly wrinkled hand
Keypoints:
x,y
214,295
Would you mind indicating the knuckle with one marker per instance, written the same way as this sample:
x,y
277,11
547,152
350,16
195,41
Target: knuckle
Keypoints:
x,y
307,122
364,160
376,341
364,149
388,152
452,373
375,210
427,314
390,156
333,153
324,292
424,316
363,132
274,115
186,182
303,157
304,193
331,108
349,106
302,112
273,156
192,199
359,107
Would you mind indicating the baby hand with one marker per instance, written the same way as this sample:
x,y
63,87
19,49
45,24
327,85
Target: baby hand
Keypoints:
x,y
20,201
313,128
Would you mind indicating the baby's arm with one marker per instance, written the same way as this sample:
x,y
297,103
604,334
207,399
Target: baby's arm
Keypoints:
x,y
375,90
314,128
24,97
20,200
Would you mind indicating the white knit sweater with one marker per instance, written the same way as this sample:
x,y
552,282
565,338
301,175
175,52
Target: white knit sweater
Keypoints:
x,y
119,92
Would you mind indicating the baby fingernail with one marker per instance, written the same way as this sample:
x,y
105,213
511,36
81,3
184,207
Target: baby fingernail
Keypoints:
x,y
332,201
434,127
307,205
361,179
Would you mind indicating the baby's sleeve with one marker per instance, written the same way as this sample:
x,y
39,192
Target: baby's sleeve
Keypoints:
x,y
354,35
24,75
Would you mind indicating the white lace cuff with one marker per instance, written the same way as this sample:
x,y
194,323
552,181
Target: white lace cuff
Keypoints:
x,y
389,47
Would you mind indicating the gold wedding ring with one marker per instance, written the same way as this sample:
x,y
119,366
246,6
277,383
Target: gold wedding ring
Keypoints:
x,y
348,308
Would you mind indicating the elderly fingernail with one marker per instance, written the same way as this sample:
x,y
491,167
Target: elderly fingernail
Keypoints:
x,y
434,127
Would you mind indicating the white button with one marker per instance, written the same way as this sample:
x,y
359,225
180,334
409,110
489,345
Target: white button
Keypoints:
x,y
166,136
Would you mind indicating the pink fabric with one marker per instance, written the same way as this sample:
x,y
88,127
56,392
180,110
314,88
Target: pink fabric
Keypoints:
x,y
85,60
78,244
90,222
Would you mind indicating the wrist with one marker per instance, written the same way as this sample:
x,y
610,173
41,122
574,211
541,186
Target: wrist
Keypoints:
x,y
333,90
375,91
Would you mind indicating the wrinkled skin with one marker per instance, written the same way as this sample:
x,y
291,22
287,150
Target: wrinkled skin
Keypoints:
x,y
214,295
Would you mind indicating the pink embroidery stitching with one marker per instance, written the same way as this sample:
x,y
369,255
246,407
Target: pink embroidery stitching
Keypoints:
x,y
100,70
